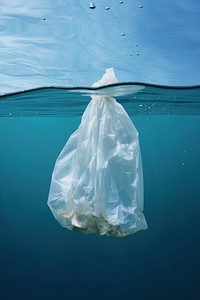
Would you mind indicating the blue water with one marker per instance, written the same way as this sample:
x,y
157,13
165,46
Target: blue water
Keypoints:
x,y
50,53
41,260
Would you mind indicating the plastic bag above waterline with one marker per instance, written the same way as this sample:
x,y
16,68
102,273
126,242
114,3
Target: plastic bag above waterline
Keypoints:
x,y
97,181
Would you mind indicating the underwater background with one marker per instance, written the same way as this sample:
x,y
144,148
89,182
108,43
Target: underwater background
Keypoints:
x,y
38,258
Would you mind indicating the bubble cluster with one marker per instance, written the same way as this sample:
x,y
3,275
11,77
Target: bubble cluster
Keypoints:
x,y
93,6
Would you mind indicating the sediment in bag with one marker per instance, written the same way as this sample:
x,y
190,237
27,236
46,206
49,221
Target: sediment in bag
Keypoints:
x,y
97,181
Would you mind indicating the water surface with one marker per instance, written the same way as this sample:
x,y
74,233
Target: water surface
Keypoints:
x,y
137,99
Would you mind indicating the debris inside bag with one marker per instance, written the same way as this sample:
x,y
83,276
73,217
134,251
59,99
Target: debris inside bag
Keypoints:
x,y
97,181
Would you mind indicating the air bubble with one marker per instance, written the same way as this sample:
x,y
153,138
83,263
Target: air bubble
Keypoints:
x,y
107,8
136,45
121,2
92,5
122,34
137,54
140,6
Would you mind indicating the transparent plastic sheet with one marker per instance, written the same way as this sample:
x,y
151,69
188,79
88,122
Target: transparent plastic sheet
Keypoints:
x,y
97,181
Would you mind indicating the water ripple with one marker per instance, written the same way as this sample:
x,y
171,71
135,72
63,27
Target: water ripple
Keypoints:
x,y
137,99
62,43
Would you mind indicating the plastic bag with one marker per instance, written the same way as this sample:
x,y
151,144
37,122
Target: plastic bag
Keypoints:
x,y
97,182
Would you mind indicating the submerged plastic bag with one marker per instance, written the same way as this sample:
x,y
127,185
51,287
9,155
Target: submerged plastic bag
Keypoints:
x,y
97,182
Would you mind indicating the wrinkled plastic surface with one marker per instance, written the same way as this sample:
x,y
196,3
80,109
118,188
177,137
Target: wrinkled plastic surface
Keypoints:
x,y
97,182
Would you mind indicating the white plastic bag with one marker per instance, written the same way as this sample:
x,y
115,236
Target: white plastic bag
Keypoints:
x,y
97,182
